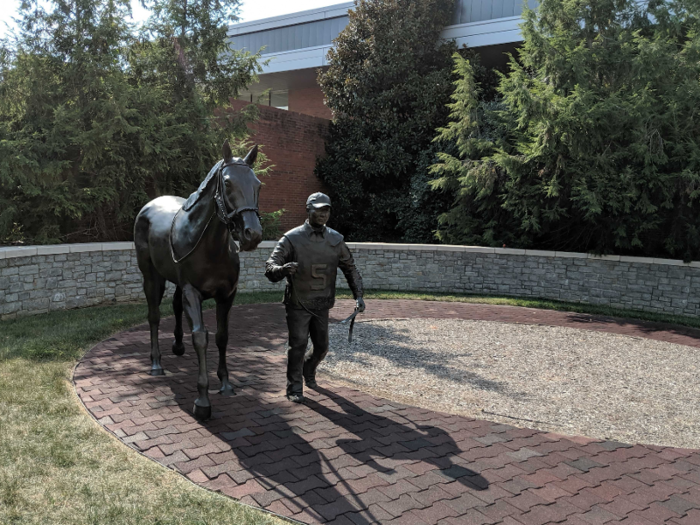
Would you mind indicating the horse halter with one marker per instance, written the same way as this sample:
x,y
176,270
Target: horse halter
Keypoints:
x,y
222,209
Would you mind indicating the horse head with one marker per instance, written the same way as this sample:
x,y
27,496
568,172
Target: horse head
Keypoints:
x,y
238,191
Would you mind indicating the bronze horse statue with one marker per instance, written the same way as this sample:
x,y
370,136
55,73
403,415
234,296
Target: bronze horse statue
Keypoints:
x,y
191,244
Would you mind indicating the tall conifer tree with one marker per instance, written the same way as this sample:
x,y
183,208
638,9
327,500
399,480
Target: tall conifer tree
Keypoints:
x,y
602,148
62,102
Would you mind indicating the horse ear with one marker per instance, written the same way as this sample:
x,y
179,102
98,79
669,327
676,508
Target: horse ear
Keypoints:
x,y
252,156
228,154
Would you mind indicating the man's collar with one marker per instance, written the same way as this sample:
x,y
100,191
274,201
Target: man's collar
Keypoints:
x,y
309,230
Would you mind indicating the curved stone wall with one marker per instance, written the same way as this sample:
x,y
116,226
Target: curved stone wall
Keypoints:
x,y
37,279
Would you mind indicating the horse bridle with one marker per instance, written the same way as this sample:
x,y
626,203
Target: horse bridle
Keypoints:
x,y
225,216
222,211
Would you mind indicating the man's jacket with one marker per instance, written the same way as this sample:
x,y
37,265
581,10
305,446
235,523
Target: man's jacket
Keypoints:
x,y
319,252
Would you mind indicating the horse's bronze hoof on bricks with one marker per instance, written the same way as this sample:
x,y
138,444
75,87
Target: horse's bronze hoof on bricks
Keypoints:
x,y
178,348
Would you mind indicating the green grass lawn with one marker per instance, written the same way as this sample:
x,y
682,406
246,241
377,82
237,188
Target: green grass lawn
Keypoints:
x,y
58,467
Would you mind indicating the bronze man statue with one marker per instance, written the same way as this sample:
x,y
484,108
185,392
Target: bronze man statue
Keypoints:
x,y
309,257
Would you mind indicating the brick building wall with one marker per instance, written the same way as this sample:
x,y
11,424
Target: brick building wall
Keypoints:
x,y
309,100
292,142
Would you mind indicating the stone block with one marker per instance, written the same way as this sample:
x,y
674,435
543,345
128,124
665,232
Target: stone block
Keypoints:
x,y
36,304
31,269
10,307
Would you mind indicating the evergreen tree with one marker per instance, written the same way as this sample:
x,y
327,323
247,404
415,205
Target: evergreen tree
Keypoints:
x,y
95,120
185,74
469,136
62,101
601,152
387,85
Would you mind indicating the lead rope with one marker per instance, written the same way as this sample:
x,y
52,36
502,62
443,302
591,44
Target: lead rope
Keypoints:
x,y
352,322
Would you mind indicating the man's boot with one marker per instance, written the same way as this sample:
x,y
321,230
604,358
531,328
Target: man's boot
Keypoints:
x,y
310,372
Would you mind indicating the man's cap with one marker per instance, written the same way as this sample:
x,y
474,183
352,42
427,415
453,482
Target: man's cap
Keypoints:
x,y
318,200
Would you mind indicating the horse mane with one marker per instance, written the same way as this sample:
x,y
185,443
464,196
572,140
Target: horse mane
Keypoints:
x,y
196,195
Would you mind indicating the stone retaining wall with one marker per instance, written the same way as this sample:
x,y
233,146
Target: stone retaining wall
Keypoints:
x,y
41,278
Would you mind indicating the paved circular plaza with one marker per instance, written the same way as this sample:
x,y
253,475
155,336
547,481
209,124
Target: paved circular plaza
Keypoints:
x,y
352,457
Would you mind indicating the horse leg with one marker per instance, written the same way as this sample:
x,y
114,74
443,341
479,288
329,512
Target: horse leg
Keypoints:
x,y
178,347
222,310
154,287
192,300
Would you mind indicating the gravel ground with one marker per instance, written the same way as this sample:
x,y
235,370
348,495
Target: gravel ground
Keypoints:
x,y
563,380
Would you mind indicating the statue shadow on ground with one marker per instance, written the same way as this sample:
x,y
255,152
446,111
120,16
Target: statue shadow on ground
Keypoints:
x,y
319,455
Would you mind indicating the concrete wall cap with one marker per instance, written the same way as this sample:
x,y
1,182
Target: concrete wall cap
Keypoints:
x,y
604,257
509,251
448,248
86,247
479,249
572,255
540,253
373,246
636,260
112,246
669,262
53,249
18,251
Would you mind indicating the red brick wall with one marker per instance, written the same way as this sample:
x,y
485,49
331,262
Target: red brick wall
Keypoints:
x,y
309,100
292,142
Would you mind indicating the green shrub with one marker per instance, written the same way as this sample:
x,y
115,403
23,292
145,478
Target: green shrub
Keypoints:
x,y
387,85
272,225
96,119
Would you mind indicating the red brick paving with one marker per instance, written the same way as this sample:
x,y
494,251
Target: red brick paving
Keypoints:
x,y
346,457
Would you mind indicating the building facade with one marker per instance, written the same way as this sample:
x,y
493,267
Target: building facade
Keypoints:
x,y
296,45
294,120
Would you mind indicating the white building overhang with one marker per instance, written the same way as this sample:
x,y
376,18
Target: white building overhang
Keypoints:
x,y
301,40
474,34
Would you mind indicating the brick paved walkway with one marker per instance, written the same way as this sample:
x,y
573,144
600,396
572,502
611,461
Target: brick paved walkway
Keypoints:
x,y
350,458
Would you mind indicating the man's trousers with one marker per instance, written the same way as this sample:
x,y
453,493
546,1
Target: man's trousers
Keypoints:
x,y
302,324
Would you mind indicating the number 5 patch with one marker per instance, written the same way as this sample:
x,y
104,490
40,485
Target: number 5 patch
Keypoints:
x,y
320,279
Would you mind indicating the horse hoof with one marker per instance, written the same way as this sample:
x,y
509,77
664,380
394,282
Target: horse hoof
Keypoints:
x,y
157,372
178,348
227,391
201,413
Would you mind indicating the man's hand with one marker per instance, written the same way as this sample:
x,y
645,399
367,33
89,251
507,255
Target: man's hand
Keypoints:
x,y
360,304
290,268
